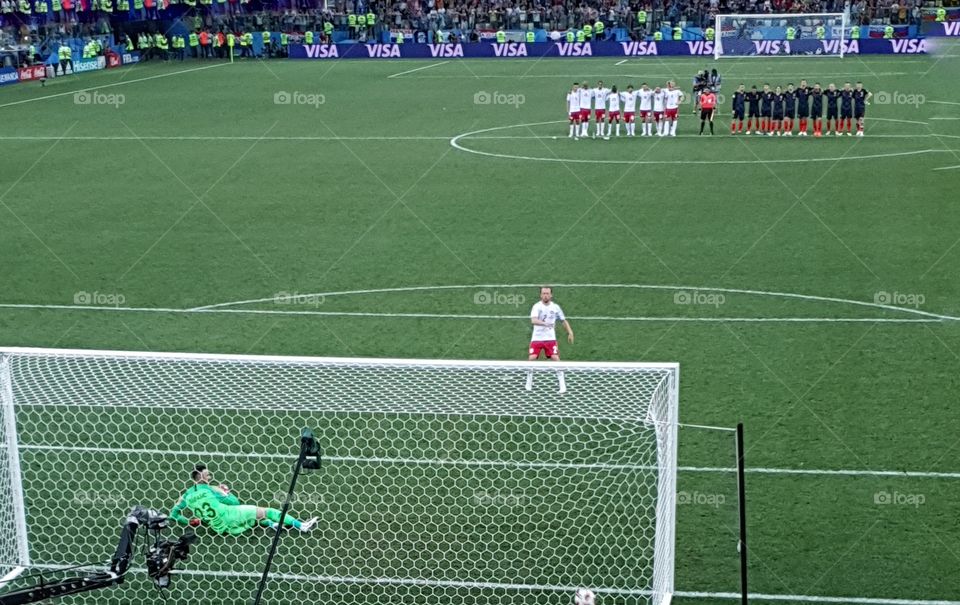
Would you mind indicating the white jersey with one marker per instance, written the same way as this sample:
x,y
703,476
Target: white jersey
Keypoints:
x,y
585,96
629,101
673,98
646,100
599,94
550,313
613,102
658,100
573,102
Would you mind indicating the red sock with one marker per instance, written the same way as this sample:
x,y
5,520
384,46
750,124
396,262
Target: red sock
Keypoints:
x,y
733,127
803,124
817,125
848,124
740,126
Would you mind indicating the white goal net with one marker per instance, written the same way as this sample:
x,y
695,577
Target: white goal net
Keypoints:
x,y
797,34
442,482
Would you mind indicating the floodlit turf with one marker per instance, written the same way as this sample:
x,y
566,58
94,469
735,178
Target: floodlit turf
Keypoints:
x,y
194,189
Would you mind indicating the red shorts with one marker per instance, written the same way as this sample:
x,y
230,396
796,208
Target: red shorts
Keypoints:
x,y
644,113
614,115
657,115
670,114
574,116
628,116
599,114
547,346
584,115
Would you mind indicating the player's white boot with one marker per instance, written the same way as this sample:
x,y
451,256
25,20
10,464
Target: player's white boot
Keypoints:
x,y
308,524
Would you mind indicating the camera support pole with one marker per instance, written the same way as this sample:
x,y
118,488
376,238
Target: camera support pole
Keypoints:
x,y
309,458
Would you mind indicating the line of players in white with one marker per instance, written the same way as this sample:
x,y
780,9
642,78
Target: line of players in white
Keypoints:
x,y
658,107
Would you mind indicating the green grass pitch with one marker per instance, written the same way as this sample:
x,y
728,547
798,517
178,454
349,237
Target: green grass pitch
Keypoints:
x,y
179,188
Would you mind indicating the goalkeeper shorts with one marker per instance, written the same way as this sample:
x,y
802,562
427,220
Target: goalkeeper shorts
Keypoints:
x,y
235,519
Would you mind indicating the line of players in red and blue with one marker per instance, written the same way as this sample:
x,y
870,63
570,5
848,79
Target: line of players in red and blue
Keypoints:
x,y
774,112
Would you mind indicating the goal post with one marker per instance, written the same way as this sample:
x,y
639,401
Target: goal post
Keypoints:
x,y
443,482
14,547
780,35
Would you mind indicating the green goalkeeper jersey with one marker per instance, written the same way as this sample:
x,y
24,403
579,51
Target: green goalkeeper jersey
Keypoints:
x,y
210,505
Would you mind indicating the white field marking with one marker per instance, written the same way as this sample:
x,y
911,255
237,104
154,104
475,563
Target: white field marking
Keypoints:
x,y
828,299
223,138
621,62
900,121
945,102
455,142
647,76
289,577
945,118
460,316
410,71
365,138
12,574
121,83
519,464
948,167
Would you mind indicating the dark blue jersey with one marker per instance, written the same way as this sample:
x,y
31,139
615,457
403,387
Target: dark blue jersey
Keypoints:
x,y
832,96
790,101
778,103
846,100
739,98
753,99
816,97
803,97
766,99
860,98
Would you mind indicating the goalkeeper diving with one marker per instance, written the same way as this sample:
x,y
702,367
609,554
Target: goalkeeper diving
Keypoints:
x,y
220,510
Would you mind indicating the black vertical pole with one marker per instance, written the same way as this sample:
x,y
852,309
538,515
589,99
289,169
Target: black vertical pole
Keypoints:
x,y
283,514
741,495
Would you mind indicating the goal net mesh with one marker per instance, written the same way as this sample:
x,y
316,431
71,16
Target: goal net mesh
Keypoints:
x,y
442,482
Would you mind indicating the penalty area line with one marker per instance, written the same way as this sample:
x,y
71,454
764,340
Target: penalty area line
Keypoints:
x,y
410,71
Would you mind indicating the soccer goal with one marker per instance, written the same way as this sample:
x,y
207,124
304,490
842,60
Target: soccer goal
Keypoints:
x,y
443,482
801,34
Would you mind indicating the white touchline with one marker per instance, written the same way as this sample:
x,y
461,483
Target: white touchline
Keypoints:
x,y
510,463
110,85
620,62
410,71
